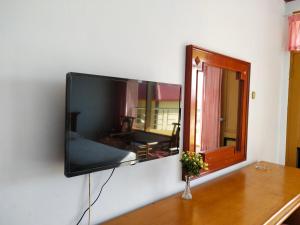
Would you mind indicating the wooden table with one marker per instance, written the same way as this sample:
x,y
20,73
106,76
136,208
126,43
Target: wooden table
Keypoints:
x,y
248,196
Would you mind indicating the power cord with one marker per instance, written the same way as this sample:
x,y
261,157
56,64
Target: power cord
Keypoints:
x,y
89,222
90,205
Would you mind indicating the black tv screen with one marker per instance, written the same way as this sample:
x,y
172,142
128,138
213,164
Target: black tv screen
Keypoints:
x,y
115,121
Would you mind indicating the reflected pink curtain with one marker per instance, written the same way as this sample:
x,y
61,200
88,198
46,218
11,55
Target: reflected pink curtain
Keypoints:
x,y
211,108
294,32
131,98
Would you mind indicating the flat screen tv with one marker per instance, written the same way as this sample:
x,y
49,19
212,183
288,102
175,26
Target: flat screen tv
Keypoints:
x,y
115,121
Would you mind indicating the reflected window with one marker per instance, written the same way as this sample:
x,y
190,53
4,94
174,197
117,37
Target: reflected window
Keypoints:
x,y
200,81
156,108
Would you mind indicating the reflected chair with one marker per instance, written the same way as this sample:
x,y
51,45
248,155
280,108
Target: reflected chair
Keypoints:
x,y
126,123
174,142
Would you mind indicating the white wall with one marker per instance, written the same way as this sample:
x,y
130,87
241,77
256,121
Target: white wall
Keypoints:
x,y
41,41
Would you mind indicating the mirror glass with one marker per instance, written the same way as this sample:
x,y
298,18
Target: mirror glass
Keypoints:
x,y
217,108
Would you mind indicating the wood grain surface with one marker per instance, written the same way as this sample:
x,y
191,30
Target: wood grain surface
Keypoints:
x,y
248,196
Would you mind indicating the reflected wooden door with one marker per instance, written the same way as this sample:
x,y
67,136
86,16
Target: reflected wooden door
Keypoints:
x,y
293,124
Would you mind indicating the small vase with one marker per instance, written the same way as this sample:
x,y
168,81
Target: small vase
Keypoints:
x,y
187,195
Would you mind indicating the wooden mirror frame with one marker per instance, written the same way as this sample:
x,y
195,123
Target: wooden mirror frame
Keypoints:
x,y
223,156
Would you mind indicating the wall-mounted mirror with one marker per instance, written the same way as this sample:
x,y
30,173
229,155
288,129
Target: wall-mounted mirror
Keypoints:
x,y
216,107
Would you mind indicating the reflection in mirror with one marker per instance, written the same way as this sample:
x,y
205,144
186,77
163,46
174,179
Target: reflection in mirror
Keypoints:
x,y
217,108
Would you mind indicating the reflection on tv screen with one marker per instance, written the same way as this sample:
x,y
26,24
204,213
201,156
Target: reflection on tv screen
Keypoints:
x,y
110,121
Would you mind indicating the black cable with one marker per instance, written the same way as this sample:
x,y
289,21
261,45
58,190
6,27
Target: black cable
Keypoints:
x,y
112,172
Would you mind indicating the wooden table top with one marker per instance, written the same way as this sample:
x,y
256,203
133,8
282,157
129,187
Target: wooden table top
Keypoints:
x,y
248,196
